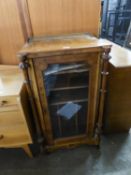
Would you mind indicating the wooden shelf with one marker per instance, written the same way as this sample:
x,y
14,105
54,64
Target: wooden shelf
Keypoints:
x,y
68,88
72,71
64,81
72,95
64,102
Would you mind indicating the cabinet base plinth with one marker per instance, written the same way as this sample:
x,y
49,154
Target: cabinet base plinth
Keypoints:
x,y
69,145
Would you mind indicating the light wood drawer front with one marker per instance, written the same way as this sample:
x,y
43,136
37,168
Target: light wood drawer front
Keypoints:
x,y
14,129
14,140
8,101
11,118
9,108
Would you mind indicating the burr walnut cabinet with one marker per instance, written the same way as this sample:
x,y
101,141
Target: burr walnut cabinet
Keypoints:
x,y
66,78
14,115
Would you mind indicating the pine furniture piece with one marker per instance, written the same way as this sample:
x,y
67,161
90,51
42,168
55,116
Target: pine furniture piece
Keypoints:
x,y
15,130
67,77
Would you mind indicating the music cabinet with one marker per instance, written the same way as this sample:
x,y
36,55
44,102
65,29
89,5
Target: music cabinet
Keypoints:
x,y
66,79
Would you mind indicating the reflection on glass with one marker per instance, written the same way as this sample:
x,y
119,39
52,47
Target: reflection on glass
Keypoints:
x,y
67,95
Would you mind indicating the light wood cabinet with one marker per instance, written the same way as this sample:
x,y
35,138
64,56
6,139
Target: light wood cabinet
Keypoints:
x,y
67,77
117,114
14,116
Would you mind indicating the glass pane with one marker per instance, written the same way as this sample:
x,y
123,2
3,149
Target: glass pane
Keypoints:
x,y
67,95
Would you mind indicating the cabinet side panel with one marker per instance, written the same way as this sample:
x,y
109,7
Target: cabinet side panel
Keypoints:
x,y
117,113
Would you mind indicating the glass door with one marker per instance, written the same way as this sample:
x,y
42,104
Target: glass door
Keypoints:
x,y
66,88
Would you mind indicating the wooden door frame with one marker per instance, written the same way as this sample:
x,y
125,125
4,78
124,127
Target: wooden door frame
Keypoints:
x,y
93,60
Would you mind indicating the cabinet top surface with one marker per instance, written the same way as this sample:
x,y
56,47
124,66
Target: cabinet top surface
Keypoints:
x,y
120,56
11,81
62,43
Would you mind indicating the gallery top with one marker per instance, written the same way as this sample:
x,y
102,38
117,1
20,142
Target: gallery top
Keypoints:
x,y
62,44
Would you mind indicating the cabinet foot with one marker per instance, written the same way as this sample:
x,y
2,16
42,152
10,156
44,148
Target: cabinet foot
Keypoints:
x,y
27,151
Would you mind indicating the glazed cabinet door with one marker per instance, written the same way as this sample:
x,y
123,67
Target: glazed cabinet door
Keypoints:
x,y
68,90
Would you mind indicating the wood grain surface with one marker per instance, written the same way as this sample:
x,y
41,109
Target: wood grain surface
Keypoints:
x,y
64,16
11,37
43,17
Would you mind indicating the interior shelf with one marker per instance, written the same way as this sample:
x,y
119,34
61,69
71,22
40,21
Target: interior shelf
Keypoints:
x,y
72,71
67,88
72,95
64,102
65,81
